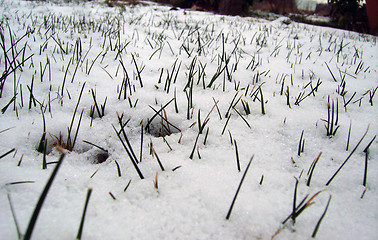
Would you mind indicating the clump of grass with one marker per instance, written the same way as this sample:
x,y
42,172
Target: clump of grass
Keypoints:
x,y
14,62
303,205
125,136
131,157
100,110
302,95
158,113
333,118
164,128
201,127
125,83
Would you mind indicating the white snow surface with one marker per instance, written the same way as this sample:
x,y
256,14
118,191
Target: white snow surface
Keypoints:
x,y
191,202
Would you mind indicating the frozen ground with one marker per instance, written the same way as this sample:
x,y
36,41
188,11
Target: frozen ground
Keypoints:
x,y
272,81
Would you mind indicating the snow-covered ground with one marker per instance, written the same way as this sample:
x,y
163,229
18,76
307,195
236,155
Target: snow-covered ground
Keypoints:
x,y
255,88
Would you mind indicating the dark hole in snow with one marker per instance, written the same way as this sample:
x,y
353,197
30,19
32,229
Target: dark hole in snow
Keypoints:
x,y
99,157
159,129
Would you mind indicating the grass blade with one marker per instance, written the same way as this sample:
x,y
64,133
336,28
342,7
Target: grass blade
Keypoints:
x,y
346,160
321,218
9,152
331,72
366,151
89,192
237,155
19,235
311,169
118,169
42,198
237,191
129,154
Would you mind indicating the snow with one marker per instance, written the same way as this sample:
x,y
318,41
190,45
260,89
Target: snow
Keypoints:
x,y
192,201
308,5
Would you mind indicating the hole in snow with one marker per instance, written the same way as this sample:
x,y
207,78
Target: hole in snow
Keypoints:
x,y
98,156
160,128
